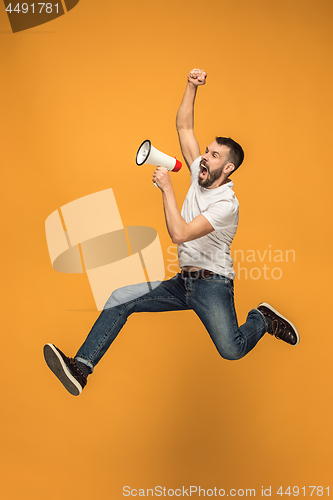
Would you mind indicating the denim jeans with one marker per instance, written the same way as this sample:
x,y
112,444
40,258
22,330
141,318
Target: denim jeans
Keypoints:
x,y
211,298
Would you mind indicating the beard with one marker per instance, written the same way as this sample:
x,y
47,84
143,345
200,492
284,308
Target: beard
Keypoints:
x,y
211,176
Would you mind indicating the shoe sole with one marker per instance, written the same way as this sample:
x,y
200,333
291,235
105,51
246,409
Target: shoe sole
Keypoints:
x,y
56,364
280,316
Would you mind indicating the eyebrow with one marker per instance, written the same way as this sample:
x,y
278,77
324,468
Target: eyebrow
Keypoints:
x,y
213,152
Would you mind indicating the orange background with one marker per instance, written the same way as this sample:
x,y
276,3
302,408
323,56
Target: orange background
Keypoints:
x,y
78,96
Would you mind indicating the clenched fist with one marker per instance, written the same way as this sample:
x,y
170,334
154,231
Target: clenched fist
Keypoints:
x,y
161,178
197,77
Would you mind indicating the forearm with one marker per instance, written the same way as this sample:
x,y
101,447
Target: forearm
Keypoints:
x,y
185,115
177,227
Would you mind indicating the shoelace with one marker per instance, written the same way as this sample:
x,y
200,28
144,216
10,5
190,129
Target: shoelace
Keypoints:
x,y
278,328
73,362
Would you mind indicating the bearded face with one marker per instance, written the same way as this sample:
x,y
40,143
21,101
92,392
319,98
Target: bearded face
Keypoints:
x,y
207,178
212,164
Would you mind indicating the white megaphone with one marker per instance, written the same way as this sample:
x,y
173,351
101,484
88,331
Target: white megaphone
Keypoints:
x,y
148,154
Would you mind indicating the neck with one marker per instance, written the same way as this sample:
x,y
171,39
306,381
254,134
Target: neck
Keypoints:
x,y
221,182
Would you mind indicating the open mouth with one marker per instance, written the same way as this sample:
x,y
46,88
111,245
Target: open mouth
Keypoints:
x,y
203,171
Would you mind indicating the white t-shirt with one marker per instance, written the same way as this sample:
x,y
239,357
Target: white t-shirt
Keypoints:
x,y
220,207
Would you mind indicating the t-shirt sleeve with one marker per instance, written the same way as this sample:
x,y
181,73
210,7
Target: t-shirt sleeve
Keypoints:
x,y
222,214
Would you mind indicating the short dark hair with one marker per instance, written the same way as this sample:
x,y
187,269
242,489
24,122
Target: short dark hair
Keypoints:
x,y
236,153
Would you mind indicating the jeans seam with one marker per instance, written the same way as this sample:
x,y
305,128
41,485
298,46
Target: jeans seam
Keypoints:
x,y
244,341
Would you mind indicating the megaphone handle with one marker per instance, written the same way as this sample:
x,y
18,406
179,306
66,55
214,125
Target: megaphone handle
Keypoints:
x,y
155,182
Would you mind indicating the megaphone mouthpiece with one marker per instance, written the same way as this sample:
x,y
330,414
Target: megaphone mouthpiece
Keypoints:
x,y
178,166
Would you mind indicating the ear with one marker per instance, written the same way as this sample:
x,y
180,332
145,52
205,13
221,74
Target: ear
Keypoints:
x,y
229,167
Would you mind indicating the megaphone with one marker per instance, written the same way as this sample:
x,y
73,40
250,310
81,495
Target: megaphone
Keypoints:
x,y
148,154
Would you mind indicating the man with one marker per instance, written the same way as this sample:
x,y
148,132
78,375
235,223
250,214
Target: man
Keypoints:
x,y
203,231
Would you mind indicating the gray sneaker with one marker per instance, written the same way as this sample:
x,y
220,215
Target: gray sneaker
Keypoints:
x,y
65,369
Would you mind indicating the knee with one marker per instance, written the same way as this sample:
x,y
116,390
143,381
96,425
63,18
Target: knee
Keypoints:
x,y
232,357
230,354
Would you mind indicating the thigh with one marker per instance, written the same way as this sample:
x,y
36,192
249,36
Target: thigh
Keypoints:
x,y
168,295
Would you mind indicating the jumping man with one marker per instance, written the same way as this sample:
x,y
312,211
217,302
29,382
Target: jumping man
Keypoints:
x,y
203,231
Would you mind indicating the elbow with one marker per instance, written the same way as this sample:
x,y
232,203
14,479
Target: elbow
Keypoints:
x,y
183,125
176,239
182,235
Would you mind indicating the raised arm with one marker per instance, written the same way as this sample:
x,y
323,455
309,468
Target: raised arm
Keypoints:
x,y
185,117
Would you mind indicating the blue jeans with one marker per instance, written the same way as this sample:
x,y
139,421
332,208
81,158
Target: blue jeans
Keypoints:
x,y
212,299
